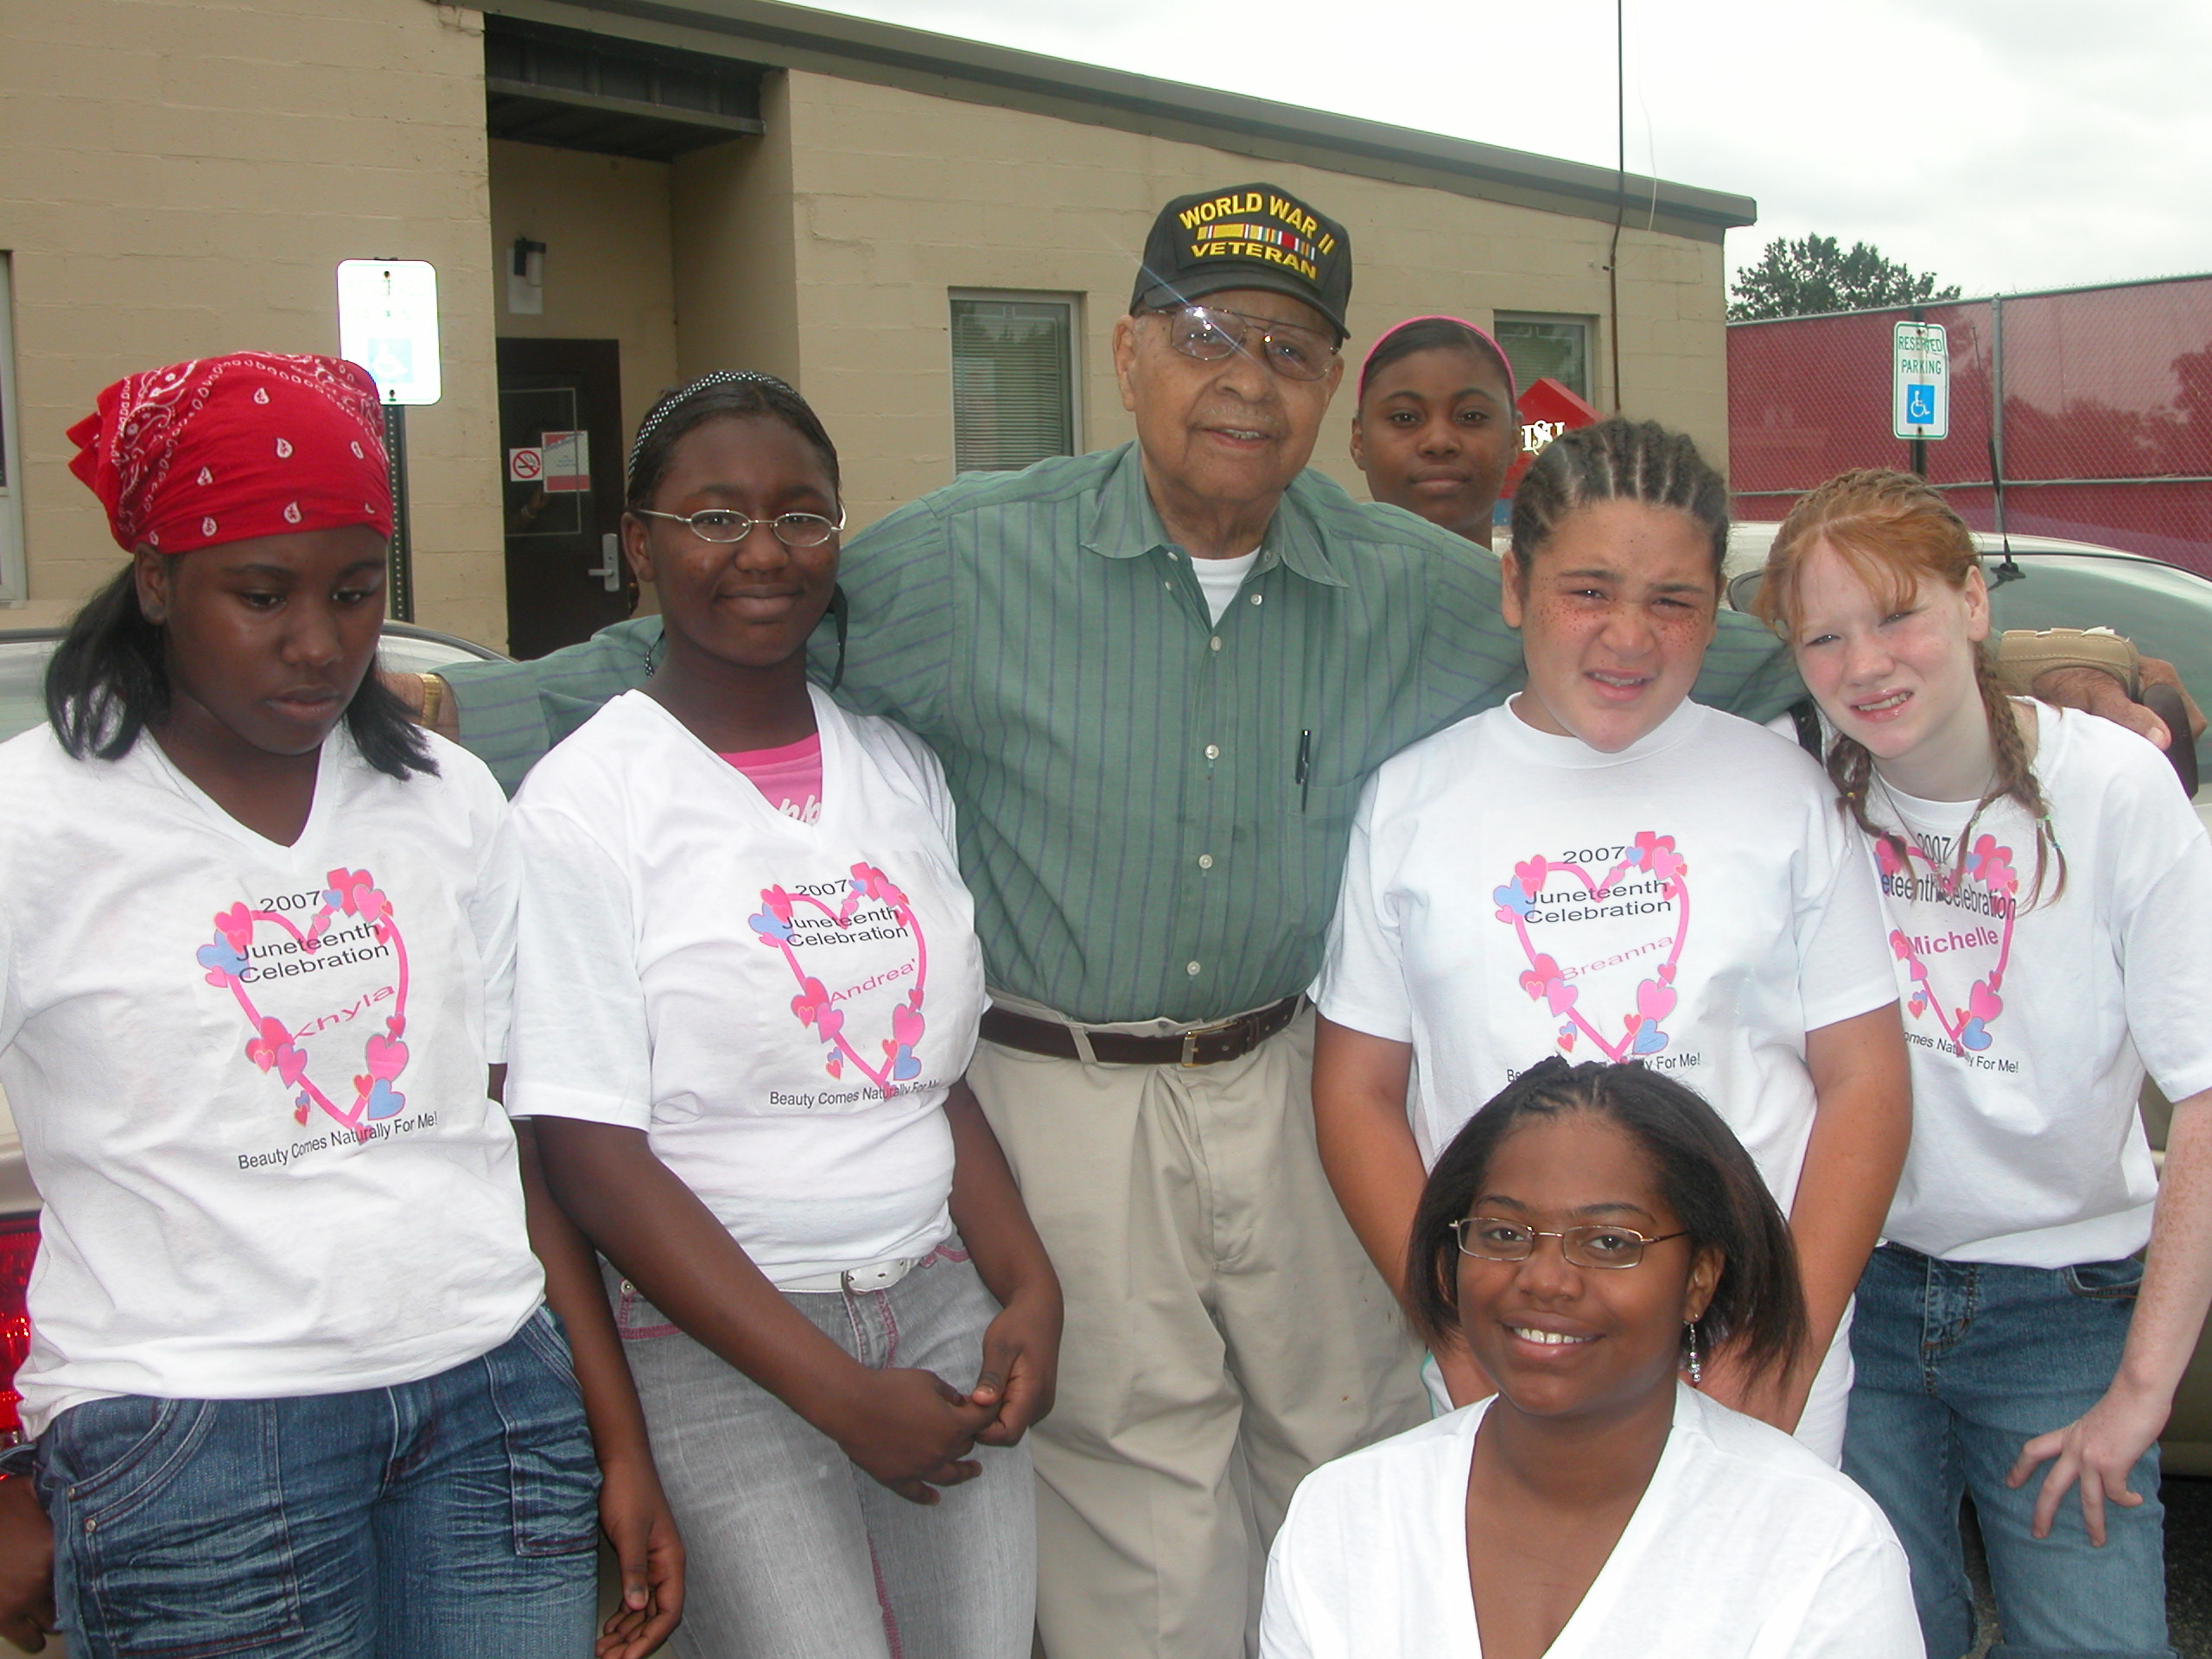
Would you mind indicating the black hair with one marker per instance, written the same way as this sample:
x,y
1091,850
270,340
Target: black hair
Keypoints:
x,y
1432,335
109,680
1706,1177
1618,460
740,393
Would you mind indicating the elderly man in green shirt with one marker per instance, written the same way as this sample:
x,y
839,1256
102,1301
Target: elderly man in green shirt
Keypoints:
x,y
1158,677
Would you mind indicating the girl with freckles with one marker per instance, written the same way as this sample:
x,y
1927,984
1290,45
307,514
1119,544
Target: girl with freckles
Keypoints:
x,y
2046,887
1574,1237
1605,868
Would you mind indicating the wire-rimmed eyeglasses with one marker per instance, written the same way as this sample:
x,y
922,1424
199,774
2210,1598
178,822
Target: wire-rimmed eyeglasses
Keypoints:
x,y
1491,1238
1211,333
720,525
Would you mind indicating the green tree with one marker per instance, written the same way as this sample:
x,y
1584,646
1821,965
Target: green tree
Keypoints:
x,y
1813,274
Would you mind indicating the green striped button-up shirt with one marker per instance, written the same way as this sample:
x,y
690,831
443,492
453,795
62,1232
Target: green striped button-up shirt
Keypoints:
x,y
1153,806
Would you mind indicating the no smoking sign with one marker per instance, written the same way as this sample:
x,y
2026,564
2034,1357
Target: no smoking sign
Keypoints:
x,y
525,465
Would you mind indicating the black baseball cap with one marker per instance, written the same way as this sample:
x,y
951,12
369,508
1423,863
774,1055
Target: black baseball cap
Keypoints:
x,y
1246,236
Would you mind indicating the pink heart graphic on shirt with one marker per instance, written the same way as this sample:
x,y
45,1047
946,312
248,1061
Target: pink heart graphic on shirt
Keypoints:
x,y
788,921
1987,887
1542,978
1652,856
252,949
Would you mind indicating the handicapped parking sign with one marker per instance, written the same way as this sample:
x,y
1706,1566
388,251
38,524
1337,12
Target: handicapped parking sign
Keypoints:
x,y
1920,381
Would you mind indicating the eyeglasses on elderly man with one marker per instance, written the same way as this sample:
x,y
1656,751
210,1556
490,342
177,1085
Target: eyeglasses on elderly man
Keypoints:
x,y
1212,333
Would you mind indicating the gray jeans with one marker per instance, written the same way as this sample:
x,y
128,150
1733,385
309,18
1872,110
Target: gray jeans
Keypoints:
x,y
797,1553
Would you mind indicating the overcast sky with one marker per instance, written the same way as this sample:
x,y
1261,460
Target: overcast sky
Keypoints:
x,y
2002,144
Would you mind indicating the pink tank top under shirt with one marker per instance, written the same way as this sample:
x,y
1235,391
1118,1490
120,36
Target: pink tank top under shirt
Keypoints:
x,y
789,779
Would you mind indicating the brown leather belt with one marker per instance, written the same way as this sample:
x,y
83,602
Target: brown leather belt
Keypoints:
x,y
1209,1045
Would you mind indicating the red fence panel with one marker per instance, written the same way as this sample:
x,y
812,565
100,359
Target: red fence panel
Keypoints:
x,y
2106,426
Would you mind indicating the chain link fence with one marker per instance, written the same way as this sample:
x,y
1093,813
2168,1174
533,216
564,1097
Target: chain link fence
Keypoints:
x,y
2096,404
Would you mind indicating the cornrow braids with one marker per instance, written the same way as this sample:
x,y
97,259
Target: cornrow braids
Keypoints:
x,y
1618,460
739,392
1893,532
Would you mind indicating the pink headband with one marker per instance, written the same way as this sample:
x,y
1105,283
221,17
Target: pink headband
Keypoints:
x,y
1504,363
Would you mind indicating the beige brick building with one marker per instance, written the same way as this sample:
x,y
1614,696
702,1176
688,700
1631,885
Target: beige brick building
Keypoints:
x,y
712,183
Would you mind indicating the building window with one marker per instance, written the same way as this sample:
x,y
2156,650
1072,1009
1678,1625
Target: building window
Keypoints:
x,y
1557,347
1013,381
13,587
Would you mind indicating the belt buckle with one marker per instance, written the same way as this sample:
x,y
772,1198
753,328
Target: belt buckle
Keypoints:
x,y
1190,1055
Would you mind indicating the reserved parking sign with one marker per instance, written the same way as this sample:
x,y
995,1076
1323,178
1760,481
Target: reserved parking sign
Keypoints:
x,y
1921,381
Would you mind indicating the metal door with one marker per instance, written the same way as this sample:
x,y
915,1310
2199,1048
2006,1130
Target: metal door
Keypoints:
x,y
561,458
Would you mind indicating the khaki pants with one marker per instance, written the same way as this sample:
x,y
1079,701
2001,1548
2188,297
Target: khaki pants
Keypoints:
x,y
1224,1334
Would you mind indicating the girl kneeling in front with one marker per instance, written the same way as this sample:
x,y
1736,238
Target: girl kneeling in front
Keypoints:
x,y
1587,1231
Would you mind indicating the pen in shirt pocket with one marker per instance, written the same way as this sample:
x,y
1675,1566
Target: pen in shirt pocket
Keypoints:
x,y
1305,775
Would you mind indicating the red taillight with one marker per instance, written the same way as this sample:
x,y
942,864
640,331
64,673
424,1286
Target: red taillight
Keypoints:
x,y
18,1248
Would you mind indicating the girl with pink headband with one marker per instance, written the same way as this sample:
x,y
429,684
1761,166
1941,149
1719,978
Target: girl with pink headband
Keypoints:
x,y
1434,428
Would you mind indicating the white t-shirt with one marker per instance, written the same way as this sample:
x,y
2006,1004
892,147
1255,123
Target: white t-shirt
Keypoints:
x,y
2029,1025
1744,1546
781,1005
249,1078
1693,901
1220,579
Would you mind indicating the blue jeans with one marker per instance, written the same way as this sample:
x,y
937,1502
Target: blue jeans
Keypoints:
x,y
452,1518
794,1552
1961,1363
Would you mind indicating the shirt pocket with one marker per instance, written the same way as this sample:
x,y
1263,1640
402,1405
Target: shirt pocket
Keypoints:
x,y
1318,829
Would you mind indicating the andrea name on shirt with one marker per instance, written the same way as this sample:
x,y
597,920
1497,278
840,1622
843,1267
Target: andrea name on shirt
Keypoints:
x,y
748,991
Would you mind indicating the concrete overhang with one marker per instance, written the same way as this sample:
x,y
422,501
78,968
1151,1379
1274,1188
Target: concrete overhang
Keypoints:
x,y
767,32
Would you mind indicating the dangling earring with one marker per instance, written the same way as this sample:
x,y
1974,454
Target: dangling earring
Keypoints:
x,y
837,617
1697,1363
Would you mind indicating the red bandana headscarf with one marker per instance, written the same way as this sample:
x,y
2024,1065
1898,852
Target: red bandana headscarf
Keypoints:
x,y
227,448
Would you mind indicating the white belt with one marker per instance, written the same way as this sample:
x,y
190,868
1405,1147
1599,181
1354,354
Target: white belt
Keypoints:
x,y
876,1275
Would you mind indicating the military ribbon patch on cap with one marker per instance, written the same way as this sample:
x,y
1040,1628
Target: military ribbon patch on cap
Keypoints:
x,y
1255,236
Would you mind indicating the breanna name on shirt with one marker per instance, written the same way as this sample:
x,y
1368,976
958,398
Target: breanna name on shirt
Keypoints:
x,y
1620,916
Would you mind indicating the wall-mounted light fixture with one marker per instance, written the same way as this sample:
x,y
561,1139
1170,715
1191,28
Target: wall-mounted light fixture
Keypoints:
x,y
526,279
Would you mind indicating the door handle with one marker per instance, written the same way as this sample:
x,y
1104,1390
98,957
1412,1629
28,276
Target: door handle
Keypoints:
x,y
609,568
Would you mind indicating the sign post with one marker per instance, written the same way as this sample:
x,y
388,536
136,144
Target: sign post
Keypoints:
x,y
387,323
1920,386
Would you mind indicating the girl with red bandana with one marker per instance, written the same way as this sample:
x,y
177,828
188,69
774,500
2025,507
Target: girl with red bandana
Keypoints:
x,y
294,1383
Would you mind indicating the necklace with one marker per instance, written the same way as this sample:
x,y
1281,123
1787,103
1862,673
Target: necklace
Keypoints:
x,y
1947,885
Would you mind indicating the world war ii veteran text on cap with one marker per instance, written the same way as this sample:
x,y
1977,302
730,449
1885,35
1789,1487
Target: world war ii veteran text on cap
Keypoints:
x,y
1247,236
